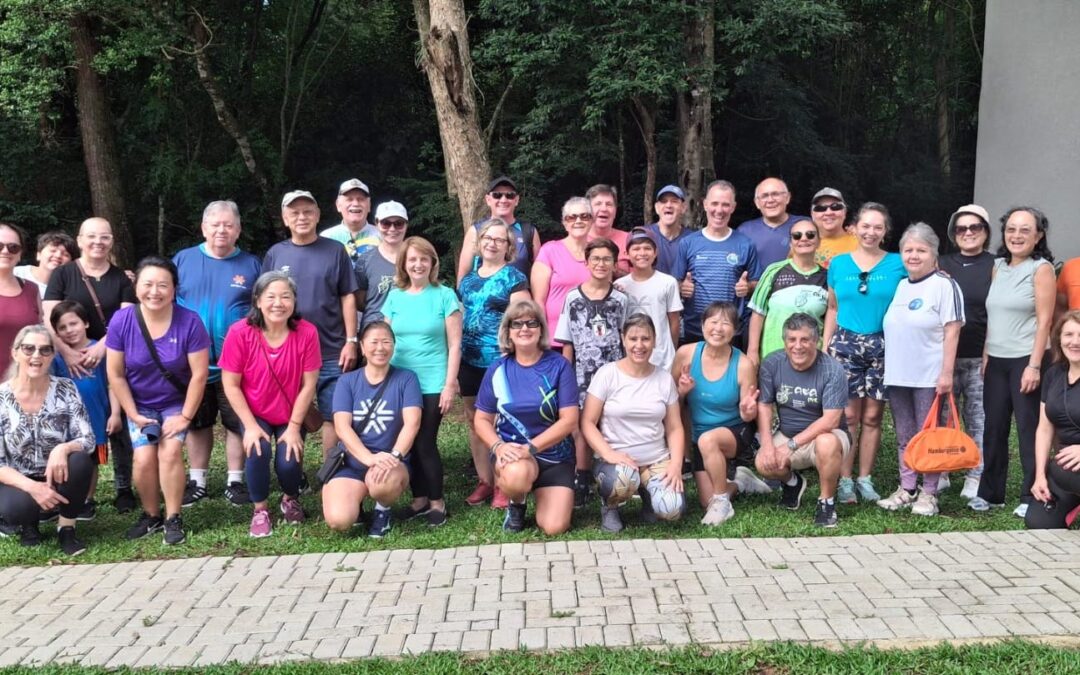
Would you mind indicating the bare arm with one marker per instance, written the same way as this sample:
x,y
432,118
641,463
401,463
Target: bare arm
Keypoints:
x,y
590,429
348,358
673,319
753,337
748,391
468,253
1045,297
830,321
540,282
1044,441
453,361
948,361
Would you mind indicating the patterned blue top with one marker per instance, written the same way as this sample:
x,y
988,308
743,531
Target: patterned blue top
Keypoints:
x,y
485,300
715,267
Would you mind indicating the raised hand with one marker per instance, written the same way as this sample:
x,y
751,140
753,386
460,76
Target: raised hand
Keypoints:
x,y
748,403
742,286
686,286
685,383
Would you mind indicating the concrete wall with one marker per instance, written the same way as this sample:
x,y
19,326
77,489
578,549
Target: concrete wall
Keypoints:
x,y
1029,115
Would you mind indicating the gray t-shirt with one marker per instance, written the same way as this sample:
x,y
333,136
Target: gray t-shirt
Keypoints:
x,y
634,410
802,396
375,274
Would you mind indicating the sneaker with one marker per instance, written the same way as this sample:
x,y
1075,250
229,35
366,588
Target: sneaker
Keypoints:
x,y
825,514
481,494
305,486
971,488
69,543
146,524
719,511
291,510
8,530
29,536
648,516
582,482
610,520
124,501
1021,510
980,504
748,482
408,513
864,485
237,494
1071,516
791,495
88,511
436,517
901,499
49,516
943,482
174,531
845,491
499,500
381,523
926,504
687,469
260,524
193,494
515,518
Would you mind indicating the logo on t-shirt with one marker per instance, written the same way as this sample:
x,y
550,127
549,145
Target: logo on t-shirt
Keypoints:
x,y
915,304
733,258
598,325
238,281
377,424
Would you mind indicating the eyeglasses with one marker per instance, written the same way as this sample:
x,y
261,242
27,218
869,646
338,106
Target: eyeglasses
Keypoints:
x,y
835,206
11,246
574,217
504,195
30,350
601,260
964,229
765,196
518,324
498,241
864,282
393,224
809,234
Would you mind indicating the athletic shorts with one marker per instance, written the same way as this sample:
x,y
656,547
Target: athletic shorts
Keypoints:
x,y
354,469
469,379
804,456
863,357
214,402
559,474
744,451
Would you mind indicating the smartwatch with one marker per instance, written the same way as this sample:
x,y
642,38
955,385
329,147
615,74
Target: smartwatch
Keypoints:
x,y
792,445
397,455
533,449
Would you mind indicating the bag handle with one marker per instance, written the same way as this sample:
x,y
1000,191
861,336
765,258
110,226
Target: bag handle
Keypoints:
x,y
931,421
96,301
165,372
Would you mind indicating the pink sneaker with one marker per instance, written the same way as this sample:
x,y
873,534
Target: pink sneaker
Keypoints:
x,y
481,494
291,509
260,524
500,500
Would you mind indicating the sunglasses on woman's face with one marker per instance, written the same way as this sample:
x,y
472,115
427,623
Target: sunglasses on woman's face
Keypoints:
x,y
13,247
809,234
835,206
30,350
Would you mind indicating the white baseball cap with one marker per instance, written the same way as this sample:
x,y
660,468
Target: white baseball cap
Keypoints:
x,y
390,210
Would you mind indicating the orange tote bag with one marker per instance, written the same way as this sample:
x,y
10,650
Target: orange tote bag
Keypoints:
x,y
941,449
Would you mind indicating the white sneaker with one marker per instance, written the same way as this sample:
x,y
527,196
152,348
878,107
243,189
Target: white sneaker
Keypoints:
x,y
749,483
980,504
897,500
719,511
971,487
943,482
926,504
1021,511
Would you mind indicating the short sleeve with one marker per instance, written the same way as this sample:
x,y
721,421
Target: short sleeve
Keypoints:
x,y
753,263
450,302
127,289
196,338
678,266
411,397
835,396
118,327
232,356
346,281
544,255
674,300
485,396
603,381
759,301
387,308
518,280
952,302
344,392
568,387
57,287
1048,383
562,331
766,381
667,386
361,273
310,347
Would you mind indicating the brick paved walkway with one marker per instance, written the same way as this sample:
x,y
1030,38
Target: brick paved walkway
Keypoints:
x,y
543,596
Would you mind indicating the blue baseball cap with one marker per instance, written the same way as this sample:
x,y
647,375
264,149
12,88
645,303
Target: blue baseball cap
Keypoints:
x,y
671,190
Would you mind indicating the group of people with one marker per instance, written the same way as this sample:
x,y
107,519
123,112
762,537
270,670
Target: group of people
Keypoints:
x,y
602,361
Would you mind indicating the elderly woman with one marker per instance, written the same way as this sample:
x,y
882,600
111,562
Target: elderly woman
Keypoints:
x,y
46,444
971,266
560,265
269,369
1057,478
376,460
486,292
526,409
158,363
922,328
426,317
796,284
19,302
1019,310
632,421
54,249
861,287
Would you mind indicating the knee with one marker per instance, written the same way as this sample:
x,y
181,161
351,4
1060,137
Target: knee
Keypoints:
x,y
170,454
340,516
718,443
871,416
668,505
827,447
516,478
81,464
617,483
552,525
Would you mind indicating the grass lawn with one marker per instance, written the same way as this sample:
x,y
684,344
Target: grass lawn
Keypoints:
x,y
216,528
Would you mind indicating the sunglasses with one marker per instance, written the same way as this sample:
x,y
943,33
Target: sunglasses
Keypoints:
x,y
810,235
11,246
835,206
964,229
518,324
574,217
504,195
864,282
393,224
30,350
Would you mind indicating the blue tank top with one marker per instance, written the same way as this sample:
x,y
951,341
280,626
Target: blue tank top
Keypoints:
x,y
714,403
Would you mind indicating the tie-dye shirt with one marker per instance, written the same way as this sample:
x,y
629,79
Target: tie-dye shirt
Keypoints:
x,y
485,300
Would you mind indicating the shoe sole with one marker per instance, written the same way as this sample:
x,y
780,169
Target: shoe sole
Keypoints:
x,y
84,519
798,498
174,543
826,526
185,505
260,536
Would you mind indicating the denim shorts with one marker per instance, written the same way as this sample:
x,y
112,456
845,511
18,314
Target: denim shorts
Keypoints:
x,y
863,357
139,439
324,392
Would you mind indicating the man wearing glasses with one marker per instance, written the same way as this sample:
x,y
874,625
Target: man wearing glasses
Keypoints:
x,y
829,211
354,204
502,199
375,268
772,231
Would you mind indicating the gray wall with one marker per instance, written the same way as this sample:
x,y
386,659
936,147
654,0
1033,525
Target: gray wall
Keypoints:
x,y
1029,115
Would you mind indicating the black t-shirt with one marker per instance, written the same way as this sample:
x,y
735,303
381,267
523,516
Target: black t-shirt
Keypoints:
x,y
112,289
972,274
1062,403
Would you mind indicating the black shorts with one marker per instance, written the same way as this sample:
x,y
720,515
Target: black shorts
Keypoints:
x,y
469,379
213,402
352,468
744,451
560,474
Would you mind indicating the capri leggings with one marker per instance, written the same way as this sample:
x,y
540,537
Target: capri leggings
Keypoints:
x,y
427,468
19,508
290,472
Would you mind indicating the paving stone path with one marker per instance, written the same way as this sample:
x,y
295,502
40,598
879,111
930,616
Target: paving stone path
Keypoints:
x,y
881,588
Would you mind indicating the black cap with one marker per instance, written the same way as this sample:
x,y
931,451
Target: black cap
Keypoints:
x,y
503,180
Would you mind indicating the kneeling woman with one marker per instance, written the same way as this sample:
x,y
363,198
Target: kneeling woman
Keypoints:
x,y
270,370
631,421
526,409
377,413
46,444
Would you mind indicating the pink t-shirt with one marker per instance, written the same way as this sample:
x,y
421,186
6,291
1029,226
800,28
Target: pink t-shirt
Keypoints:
x,y
243,353
567,273
620,238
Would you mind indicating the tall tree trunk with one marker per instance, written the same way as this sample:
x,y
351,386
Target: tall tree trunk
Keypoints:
x,y
694,108
943,84
447,62
645,115
98,140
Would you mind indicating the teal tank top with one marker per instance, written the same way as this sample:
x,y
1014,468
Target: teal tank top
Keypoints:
x,y
714,403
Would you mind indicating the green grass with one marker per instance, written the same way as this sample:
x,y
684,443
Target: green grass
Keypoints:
x,y
216,528
1017,657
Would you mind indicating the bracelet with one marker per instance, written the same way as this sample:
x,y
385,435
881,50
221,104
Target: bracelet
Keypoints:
x,y
495,446
1035,368
300,423
188,419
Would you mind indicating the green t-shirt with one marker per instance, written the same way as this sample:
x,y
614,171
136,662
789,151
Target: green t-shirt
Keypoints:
x,y
782,291
419,323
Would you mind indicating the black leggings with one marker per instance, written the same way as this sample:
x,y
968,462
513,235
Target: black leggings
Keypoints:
x,y
120,448
19,508
1001,400
427,468
1065,488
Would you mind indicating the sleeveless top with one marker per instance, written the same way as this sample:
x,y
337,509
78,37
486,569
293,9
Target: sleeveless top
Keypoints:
x,y
714,403
1010,309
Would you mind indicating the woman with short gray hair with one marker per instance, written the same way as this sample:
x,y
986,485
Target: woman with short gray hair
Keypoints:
x,y
560,265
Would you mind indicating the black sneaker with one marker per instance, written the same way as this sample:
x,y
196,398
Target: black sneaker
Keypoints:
x,y
174,531
88,511
381,522
583,480
125,500
237,494
8,530
29,535
408,513
825,516
49,516
436,517
305,486
146,524
515,518
193,494
648,516
69,543
791,495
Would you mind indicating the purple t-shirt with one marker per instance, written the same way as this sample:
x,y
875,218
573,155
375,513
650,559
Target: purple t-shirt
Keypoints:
x,y
186,335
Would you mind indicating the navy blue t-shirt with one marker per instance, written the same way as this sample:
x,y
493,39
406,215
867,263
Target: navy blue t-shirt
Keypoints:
x,y
715,267
354,395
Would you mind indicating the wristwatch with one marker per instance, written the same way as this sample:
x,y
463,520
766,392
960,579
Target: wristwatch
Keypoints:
x,y
533,449
352,339
397,455
792,445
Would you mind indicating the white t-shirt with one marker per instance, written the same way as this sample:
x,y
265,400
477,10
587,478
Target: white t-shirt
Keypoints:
x,y
656,296
24,273
915,329
634,409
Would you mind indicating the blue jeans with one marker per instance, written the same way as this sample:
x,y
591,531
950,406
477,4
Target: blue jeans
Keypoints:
x,y
290,472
